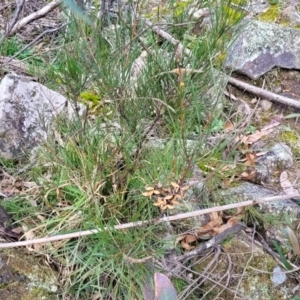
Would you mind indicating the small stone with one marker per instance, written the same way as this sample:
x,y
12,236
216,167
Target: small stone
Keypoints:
x,y
278,277
277,89
266,105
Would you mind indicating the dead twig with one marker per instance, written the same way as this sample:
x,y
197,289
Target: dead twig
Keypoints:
x,y
36,15
142,223
12,23
168,37
34,41
238,83
263,93
210,267
216,240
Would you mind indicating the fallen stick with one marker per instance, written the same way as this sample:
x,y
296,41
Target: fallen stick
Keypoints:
x,y
36,15
238,83
263,93
141,223
168,37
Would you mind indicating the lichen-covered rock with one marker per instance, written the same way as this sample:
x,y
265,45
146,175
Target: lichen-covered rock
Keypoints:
x,y
23,277
278,159
261,47
27,109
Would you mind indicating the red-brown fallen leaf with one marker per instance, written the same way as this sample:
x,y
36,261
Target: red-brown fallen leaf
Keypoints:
x,y
223,227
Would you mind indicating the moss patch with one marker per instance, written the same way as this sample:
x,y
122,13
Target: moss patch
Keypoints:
x,y
27,278
271,15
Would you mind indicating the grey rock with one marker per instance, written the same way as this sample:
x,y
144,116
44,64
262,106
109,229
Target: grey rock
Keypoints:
x,y
276,160
277,209
261,47
27,109
291,15
243,192
24,277
266,104
278,276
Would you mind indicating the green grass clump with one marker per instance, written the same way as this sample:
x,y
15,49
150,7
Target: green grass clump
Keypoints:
x,y
92,170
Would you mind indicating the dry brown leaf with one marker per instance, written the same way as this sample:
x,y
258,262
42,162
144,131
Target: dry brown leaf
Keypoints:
x,y
214,215
189,238
149,188
174,202
240,210
274,122
258,135
148,194
248,175
184,188
180,238
286,184
168,206
250,158
174,184
229,127
210,226
294,241
186,246
223,227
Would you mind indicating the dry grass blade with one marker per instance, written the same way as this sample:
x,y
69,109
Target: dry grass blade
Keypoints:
x,y
294,241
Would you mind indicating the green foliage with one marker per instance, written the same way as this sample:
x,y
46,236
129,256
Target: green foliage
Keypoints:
x,y
282,256
11,46
91,171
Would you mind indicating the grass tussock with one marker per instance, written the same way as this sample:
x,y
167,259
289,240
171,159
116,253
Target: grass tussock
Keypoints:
x,y
92,170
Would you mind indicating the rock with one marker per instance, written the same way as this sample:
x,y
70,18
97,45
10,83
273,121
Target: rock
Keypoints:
x,y
278,209
251,267
261,47
276,160
27,109
291,15
266,104
24,277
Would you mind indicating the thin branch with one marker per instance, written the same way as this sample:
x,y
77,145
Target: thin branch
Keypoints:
x,y
168,37
12,23
34,41
238,83
36,15
214,241
263,93
142,223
